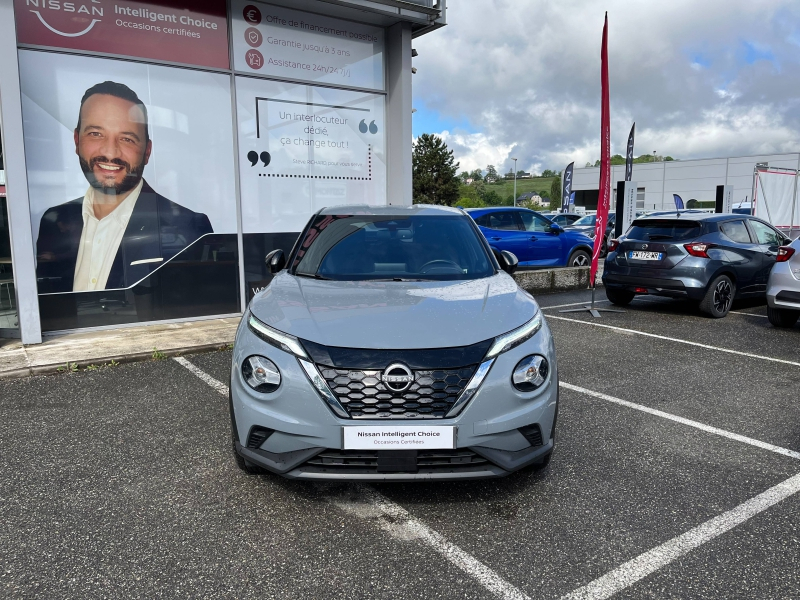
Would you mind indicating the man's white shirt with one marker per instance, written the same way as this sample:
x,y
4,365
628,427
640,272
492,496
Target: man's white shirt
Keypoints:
x,y
100,240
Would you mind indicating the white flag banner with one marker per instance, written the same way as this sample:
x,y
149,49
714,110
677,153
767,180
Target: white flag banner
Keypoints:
x,y
774,198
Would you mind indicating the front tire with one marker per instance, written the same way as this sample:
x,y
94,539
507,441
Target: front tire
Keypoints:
x,y
579,258
782,317
619,297
719,297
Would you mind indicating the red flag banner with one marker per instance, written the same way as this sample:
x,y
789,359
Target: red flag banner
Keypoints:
x,y
604,200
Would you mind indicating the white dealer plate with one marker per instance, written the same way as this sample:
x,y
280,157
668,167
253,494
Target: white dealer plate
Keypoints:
x,y
399,437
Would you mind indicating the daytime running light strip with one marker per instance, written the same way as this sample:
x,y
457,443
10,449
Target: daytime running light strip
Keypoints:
x,y
514,338
286,342
472,388
323,389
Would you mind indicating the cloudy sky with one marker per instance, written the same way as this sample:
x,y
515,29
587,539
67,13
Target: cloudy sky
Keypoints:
x,y
701,78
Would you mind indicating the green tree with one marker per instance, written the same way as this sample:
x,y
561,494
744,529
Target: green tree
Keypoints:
x,y
491,174
555,190
476,174
548,173
434,172
492,198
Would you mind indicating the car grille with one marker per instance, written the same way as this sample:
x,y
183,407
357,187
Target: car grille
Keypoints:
x,y
364,396
369,461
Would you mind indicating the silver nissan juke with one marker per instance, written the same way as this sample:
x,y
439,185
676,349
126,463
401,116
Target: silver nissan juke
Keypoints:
x,y
393,344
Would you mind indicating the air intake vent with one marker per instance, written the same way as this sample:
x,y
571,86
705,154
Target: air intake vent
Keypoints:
x,y
258,435
533,434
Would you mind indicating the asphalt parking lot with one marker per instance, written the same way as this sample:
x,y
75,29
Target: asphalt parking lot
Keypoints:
x,y
675,475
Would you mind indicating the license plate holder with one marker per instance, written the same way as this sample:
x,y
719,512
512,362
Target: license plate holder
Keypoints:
x,y
398,437
645,255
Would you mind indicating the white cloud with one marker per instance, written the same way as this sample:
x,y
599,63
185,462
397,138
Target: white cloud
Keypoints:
x,y
476,150
526,76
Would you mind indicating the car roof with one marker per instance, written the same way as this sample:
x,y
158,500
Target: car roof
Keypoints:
x,y
691,216
495,208
414,209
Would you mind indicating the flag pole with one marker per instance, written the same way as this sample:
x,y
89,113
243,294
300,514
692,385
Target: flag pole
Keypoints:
x,y
604,197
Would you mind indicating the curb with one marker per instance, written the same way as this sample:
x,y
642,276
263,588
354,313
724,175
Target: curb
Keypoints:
x,y
549,281
50,369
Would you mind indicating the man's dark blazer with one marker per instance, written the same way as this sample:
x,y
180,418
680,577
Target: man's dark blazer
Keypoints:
x,y
158,228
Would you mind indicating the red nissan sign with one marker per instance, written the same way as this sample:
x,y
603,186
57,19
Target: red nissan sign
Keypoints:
x,y
194,32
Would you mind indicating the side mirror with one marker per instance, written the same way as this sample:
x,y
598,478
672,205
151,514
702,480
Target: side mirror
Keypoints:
x,y
508,262
276,260
556,228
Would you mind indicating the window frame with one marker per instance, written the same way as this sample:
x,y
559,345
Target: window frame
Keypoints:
x,y
754,233
534,216
746,228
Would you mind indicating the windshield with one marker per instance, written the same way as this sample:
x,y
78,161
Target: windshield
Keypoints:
x,y
587,220
663,229
381,247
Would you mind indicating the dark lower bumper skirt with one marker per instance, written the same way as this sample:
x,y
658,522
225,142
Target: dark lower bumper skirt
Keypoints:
x,y
459,464
673,288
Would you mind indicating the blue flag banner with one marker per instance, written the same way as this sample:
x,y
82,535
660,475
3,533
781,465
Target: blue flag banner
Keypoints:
x,y
629,155
678,201
566,187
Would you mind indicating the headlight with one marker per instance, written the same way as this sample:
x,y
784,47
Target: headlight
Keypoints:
x,y
261,374
530,373
514,338
284,341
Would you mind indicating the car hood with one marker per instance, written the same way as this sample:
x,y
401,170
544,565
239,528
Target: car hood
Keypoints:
x,y
401,315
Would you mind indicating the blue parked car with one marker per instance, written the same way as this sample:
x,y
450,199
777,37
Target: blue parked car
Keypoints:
x,y
533,238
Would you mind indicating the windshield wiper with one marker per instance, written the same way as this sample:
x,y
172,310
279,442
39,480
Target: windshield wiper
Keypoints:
x,y
314,276
400,279
659,236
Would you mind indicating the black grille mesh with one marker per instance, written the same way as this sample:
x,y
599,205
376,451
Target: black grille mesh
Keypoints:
x,y
367,461
364,396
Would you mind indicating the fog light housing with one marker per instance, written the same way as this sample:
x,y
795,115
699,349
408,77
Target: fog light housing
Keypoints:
x,y
261,374
530,373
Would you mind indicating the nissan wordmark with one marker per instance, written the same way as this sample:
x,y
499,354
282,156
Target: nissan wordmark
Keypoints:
x,y
392,344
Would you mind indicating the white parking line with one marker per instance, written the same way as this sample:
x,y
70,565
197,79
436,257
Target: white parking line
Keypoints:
x,y
574,304
671,339
214,383
702,426
736,312
399,520
367,503
651,561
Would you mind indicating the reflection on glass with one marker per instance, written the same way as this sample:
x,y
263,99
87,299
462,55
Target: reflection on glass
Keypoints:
x,y
203,279
8,308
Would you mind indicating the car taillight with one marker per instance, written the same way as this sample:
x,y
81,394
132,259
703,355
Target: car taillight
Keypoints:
x,y
613,244
784,253
698,249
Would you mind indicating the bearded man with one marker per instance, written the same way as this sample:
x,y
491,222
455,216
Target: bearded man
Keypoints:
x,y
120,231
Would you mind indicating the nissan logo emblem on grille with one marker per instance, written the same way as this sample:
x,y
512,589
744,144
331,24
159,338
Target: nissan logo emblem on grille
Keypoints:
x,y
397,377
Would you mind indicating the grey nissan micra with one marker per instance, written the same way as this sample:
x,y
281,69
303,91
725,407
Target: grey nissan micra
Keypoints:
x,y
392,344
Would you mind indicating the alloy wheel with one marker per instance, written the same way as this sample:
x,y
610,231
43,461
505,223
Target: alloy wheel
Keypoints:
x,y
723,295
580,261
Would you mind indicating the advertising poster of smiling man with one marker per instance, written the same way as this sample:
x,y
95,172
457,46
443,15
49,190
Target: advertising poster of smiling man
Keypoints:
x,y
132,189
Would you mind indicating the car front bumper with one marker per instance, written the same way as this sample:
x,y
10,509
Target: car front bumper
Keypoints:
x,y
307,437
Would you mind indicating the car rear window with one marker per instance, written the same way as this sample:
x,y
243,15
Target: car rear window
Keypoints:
x,y
664,229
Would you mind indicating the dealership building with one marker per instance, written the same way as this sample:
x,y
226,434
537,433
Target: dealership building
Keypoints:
x,y
154,152
693,180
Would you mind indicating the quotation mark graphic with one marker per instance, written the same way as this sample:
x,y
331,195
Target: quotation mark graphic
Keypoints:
x,y
253,157
362,127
